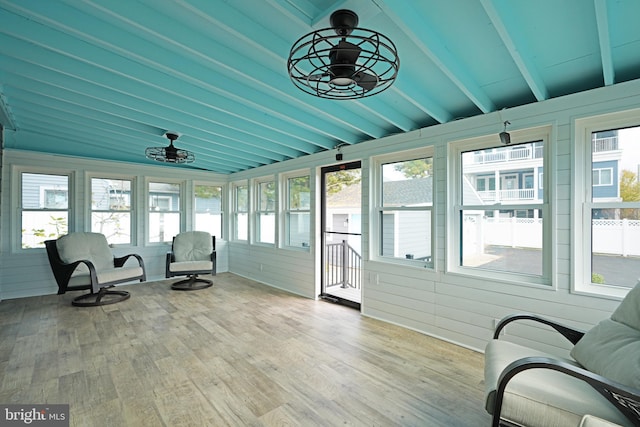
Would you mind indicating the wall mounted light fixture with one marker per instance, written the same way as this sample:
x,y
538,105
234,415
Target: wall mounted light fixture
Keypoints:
x,y
505,138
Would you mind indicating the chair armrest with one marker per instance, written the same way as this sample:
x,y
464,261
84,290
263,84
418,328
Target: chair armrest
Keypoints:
x,y
119,262
170,258
214,262
625,399
69,269
573,335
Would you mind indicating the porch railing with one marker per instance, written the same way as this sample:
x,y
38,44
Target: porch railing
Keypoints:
x,y
516,194
344,265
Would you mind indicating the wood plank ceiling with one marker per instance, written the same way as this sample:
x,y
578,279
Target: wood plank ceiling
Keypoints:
x,y
106,79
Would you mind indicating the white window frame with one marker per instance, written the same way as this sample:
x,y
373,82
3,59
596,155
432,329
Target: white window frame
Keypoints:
x,y
287,211
377,209
259,212
235,212
221,212
455,206
582,197
17,201
600,183
132,201
172,209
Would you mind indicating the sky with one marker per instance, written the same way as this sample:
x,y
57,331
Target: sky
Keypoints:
x,y
629,140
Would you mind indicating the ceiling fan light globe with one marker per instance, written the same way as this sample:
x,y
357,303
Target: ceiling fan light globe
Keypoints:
x,y
341,81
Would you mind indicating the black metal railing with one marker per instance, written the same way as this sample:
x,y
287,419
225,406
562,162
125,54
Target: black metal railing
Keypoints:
x,y
343,265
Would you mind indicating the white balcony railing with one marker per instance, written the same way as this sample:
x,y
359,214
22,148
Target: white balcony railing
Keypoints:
x,y
605,144
525,152
517,194
508,154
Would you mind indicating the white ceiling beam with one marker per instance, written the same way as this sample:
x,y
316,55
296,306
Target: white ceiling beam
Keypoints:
x,y
433,46
602,21
518,51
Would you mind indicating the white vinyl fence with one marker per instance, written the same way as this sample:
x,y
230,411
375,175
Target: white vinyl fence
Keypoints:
x,y
610,237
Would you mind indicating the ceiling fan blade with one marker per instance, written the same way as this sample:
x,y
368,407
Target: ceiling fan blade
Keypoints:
x,y
344,53
366,81
343,59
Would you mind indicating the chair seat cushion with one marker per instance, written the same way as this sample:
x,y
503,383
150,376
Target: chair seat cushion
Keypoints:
x,y
107,276
540,397
190,266
591,421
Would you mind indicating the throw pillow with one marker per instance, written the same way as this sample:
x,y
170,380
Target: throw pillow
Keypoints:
x,y
611,349
628,312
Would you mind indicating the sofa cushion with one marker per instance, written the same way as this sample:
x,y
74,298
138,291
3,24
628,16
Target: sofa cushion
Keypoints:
x,y
628,312
541,397
611,349
85,246
591,421
113,275
192,246
191,266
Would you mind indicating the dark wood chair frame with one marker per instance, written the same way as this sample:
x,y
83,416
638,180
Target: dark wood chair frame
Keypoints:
x,y
625,399
192,282
100,293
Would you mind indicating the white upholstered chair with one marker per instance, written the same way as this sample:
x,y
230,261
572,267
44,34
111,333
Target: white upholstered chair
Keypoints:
x,y
192,253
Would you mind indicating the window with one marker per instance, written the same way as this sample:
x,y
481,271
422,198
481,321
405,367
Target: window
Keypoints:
x,y
111,209
608,257
406,209
44,208
494,231
164,211
208,209
240,212
297,211
266,212
602,177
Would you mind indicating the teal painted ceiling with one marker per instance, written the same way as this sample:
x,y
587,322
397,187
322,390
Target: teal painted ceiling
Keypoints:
x,y
106,79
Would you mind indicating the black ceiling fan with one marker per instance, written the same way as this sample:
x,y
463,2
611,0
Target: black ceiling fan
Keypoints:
x,y
170,154
344,56
343,61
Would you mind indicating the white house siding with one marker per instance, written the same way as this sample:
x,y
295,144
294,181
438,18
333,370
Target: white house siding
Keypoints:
x,y
456,307
389,232
414,233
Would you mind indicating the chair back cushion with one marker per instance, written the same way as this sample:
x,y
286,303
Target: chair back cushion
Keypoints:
x,y
85,246
193,246
628,312
611,349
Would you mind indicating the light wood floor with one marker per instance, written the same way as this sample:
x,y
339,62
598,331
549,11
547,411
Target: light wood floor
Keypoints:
x,y
238,353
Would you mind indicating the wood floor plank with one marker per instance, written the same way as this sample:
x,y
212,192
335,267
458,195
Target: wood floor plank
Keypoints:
x,y
236,354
